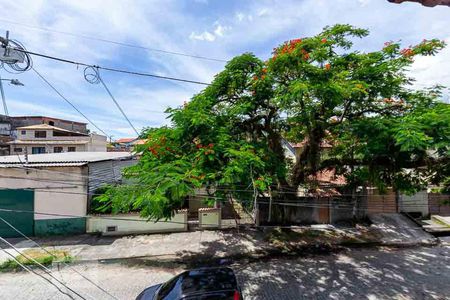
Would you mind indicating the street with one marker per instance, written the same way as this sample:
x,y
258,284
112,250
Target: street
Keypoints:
x,y
413,273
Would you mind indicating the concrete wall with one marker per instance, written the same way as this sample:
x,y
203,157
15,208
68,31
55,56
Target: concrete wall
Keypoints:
x,y
133,223
97,143
417,203
49,148
301,211
308,210
60,192
209,218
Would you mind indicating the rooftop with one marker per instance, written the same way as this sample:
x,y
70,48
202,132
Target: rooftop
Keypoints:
x,y
125,140
44,117
48,127
62,159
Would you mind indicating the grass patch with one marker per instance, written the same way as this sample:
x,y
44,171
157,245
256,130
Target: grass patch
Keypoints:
x,y
40,256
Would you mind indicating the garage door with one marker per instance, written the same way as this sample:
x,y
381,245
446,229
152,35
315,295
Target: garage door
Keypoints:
x,y
16,200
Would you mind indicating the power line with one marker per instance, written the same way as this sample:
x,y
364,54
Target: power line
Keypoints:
x,y
77,63
45,269
95,78
30,270
115,42
50,253
78,183
172,222
67,100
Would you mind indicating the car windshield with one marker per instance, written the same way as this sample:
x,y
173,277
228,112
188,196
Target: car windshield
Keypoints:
x,y
168,290
198,281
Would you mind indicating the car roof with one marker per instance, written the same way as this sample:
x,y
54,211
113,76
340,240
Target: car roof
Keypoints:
x,y
207,280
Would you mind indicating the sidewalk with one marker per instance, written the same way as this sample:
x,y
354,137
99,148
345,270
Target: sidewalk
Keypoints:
x,y
205,245
167,246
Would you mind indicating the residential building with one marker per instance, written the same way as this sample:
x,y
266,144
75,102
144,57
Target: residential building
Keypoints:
x,y
22,121
125,144
5,134
55,188
45,138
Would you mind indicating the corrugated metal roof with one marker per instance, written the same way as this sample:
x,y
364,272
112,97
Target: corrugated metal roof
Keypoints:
x,y
63,159
36,165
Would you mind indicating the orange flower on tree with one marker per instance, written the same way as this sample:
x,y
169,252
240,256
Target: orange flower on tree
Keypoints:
x,y
327,66
407,52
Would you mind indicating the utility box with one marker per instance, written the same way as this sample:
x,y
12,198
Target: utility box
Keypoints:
x,y
209,218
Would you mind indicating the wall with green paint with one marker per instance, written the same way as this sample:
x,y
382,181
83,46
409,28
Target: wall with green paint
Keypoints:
x,y
65,226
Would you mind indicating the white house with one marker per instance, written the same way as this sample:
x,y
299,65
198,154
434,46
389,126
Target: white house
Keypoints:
x,y
45,138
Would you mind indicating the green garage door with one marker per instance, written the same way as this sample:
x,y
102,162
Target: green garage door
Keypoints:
x,y
16,200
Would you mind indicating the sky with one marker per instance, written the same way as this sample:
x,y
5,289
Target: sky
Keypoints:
x,y
215,29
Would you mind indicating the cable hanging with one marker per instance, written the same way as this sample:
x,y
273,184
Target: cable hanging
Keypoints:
x,y
77,63
92,75
54,256
69,102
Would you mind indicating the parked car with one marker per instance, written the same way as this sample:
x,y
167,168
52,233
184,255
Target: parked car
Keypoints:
x,y
203,284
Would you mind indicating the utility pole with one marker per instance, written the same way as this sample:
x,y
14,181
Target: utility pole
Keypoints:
x,y
9,57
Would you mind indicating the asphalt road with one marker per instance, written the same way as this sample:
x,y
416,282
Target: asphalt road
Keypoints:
x,y
419,273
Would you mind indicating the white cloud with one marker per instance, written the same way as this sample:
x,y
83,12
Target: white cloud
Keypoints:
x,y
220,30
204,36
364,2
240,16
262,12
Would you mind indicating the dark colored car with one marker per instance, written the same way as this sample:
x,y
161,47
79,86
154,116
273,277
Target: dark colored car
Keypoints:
x,y
202,284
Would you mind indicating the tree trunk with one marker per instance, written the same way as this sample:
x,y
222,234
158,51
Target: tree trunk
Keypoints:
x,y
308,162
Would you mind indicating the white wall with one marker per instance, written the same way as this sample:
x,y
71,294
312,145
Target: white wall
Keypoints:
x,y
97,143
49,148
133,223
58,190
415,203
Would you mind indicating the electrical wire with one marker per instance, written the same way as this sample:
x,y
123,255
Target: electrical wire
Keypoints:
x,y
69,102
15,67
45,269
31,271
92,75
77,63
50,253
114,42
76,183
171,222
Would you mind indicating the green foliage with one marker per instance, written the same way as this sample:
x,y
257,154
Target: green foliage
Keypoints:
x,y
228,138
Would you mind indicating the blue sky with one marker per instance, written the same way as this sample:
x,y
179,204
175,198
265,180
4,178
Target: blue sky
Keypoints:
x,y
218,29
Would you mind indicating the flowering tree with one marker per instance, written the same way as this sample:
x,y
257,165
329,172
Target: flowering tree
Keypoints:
x,y
228,138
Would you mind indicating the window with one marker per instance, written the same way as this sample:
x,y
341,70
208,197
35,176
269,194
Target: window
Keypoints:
x,y
23,132
72,149
40,134
37,150
58,149
51,123
17,149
